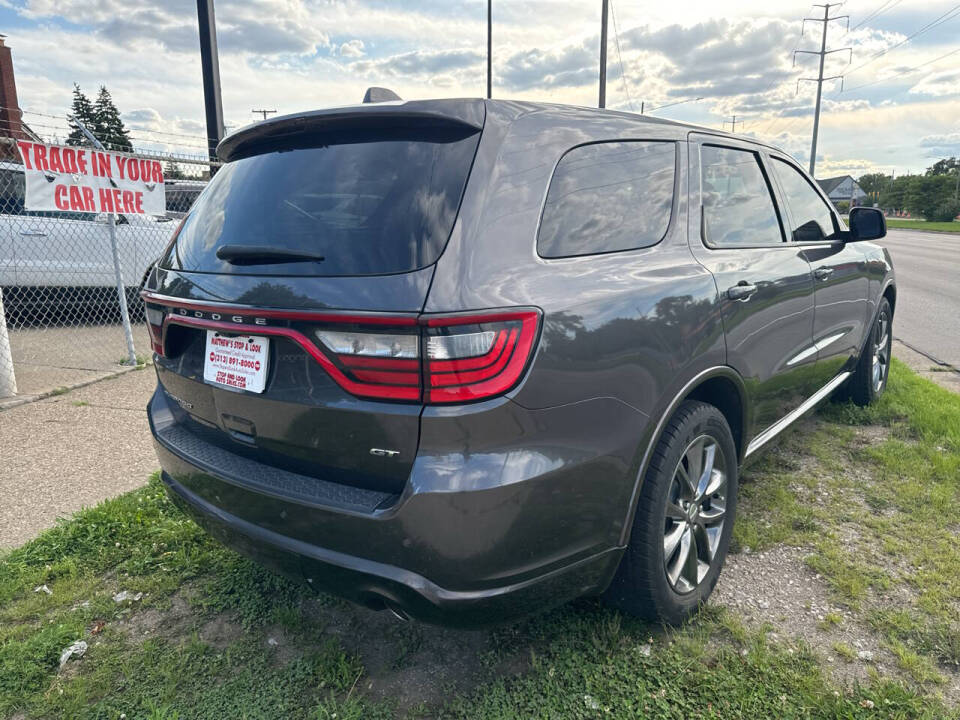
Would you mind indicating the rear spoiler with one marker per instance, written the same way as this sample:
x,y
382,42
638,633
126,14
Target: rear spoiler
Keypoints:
x,y
465,114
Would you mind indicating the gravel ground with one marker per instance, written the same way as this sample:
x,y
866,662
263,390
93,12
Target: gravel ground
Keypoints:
x,y
777,587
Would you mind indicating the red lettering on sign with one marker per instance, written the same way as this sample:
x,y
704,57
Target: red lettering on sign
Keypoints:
x,y
106,200
69,160
121,166
128,203
115,193
82,161
139,202
25,148
133,169
88,203
157,173
76,198
55,164
40,157
102,166
60,197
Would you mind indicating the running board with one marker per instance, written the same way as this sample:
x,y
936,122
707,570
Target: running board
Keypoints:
x,y
783,423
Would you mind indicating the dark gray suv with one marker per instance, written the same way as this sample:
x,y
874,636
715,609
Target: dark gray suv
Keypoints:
x,y
469,359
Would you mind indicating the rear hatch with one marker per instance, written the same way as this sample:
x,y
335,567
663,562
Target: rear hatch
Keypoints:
x,y
284,311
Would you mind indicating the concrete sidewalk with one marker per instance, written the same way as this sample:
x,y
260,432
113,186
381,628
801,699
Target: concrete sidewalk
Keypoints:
x,y
70,451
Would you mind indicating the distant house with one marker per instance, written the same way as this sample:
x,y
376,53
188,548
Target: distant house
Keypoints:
x,y
843,189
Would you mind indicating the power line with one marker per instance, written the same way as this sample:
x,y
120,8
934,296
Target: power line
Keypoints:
x,y
876,13
948,15
263,112
616,37
902,72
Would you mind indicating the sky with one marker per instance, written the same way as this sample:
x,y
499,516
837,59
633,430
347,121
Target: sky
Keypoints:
x,y
899,109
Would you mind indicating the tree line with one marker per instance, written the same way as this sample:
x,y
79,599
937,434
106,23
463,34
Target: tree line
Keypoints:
x,y
935,195
102,118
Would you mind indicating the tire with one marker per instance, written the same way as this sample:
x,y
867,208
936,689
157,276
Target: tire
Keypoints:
x,y
869,379
651,582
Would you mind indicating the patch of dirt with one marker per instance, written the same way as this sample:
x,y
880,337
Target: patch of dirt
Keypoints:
x,y
411,663
776,587
175,621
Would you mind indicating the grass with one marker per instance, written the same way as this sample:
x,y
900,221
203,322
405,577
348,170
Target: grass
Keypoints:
x,y
869,492
952,227
878,512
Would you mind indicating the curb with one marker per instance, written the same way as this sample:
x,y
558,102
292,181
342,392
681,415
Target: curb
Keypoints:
x,y
18,400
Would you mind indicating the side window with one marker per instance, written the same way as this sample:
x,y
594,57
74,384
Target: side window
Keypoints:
x,y
738,208
607,197
812,218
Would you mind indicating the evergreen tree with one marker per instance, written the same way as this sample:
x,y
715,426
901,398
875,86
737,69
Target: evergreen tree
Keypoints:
x,y
173,171
82,109
109,127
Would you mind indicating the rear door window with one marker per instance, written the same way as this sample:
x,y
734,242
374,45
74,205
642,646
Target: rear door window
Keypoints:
x,y
608,197
368,202
738,206
812,219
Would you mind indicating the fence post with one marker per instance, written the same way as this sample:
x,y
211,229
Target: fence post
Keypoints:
x,y
117,272
8,381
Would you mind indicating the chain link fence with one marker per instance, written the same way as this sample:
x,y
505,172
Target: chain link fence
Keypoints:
x,y
60,312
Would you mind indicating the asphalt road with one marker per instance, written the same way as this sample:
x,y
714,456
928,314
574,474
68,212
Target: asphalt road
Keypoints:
x,y
927,266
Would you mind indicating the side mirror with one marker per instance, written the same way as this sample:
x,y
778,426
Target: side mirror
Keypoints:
x,y
867,224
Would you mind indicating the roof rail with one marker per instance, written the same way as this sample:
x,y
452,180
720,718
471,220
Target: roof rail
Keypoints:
x,y
379,94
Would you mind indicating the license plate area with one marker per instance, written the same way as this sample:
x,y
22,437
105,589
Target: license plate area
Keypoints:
x,y
237,362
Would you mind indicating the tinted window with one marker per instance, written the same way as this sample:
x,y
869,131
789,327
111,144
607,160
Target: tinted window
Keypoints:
x,y
811,217
737,206
608,197
371,202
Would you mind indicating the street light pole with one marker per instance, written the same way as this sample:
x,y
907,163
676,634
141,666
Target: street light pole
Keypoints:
x,y
489,49
210,68
603,55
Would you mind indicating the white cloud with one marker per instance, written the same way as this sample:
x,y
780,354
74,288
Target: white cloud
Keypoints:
x,y
352,48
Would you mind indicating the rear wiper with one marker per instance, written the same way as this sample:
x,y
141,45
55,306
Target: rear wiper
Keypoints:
x,y
263,255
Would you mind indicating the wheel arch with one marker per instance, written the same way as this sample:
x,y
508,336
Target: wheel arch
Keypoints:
x,y
720,386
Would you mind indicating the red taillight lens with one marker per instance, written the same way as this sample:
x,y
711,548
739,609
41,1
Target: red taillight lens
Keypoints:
x,y
477,356
154,317
377,364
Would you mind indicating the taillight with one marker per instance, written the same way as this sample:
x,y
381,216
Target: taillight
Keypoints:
x,y
375,364
154,317
452,358
433,359
476,356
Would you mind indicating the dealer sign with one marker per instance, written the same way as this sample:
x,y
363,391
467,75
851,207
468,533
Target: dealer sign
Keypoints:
x,y
82,179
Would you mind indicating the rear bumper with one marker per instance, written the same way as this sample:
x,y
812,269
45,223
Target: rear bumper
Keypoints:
x,y
379,586
472,540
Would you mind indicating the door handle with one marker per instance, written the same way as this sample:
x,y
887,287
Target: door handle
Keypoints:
x,y
741,291
822,273
33,233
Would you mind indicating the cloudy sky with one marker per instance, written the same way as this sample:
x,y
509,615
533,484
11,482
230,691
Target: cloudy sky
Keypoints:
x,y
900,109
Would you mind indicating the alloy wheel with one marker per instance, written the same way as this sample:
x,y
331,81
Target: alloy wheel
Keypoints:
x,y
881,351
695,514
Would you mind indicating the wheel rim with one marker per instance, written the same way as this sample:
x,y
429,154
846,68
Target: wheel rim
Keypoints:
x,y
696,512
881,351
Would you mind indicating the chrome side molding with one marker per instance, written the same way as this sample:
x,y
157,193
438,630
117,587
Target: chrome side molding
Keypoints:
x,y
783,423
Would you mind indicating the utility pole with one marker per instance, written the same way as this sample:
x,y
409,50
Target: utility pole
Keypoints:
x,y
210,67
733,123
489,49
263,112
603,55
826,20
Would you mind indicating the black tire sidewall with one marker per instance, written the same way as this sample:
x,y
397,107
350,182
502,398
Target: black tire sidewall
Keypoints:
x,y
644,589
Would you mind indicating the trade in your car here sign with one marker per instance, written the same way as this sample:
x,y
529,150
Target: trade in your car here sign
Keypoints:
x,y
81,179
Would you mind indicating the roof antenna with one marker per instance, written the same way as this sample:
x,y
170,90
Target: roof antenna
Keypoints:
x,y
379,94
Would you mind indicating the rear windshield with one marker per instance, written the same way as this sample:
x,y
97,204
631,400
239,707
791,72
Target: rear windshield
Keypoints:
x,y
371,202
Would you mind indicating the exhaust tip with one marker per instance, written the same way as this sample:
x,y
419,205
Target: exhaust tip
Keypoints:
x,y
397,612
